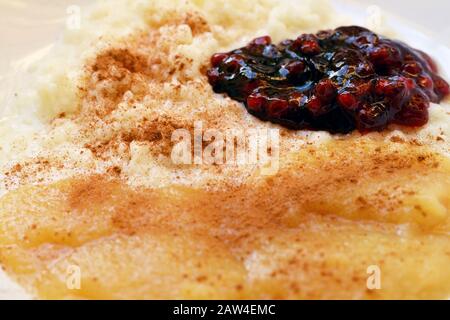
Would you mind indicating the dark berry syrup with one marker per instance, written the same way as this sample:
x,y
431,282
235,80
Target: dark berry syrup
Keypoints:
x,y
340,80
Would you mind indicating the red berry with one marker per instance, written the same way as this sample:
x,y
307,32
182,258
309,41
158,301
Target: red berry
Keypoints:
x,y
277,107
315,105
255,102
218,58
325,91
410,84
441,87
310,47
425,82
412,68
415,112
295,68
213,76
390,86
373,117
385,56
308,44
379,54
347,100
262,41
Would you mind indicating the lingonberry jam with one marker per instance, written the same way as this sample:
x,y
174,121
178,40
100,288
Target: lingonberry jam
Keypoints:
x,y
340,80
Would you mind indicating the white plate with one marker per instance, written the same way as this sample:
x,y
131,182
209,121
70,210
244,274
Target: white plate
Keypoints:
x,y
29,25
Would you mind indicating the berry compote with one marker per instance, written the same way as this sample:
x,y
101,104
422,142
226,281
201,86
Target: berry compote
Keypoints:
x,y
336,80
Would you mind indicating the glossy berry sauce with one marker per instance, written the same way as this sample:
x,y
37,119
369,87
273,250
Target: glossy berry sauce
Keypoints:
x,y
340,80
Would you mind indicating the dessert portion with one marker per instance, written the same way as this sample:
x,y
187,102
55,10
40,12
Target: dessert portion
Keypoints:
x,y
87,181
336,80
